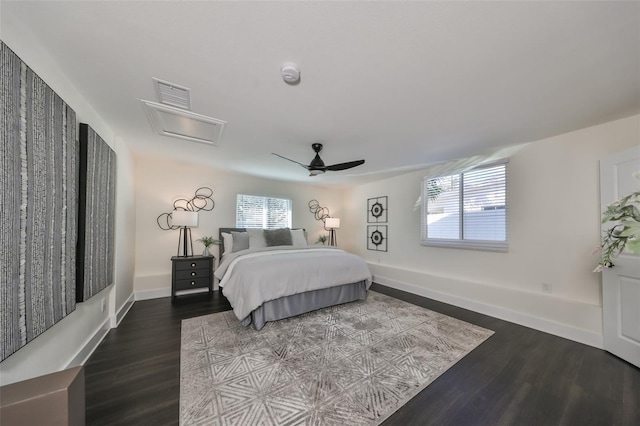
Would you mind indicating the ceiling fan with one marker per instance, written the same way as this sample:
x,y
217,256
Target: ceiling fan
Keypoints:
x,y
317,167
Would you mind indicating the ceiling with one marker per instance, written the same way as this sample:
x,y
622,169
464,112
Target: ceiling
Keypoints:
x,y
399,84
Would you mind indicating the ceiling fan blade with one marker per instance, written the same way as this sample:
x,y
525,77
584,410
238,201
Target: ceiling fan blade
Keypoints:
x,y
344,166
289,159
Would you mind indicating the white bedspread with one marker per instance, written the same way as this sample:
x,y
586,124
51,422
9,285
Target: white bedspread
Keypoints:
x,y
251,277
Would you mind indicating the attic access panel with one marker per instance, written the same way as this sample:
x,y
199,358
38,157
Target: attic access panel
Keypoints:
x,y
174,122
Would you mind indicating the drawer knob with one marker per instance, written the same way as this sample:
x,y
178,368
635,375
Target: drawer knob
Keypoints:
x,y
193,264
193,274
193,283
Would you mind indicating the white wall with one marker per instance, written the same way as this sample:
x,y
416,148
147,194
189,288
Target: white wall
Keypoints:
x,y
553,228
160,182
124,264
68,342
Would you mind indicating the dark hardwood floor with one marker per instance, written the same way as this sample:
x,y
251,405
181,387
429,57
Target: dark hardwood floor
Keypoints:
x,y
519,376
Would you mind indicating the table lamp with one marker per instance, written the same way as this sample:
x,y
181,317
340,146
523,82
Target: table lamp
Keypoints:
x,y
332,223
185,220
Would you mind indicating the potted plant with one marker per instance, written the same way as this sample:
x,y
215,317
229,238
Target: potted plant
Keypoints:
x,y
624,234
322,239
208,242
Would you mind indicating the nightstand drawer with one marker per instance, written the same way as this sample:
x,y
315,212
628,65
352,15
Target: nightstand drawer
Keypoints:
x,y
189,264
195,273
192,283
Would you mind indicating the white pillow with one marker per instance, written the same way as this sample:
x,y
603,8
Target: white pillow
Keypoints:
x,y
297,237
256,238
228,243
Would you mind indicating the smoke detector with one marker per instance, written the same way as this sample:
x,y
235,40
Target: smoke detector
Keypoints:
x,y
290,72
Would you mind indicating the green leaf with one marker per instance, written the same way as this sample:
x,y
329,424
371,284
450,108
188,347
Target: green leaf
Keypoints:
x,y
633,245
630,223
629,232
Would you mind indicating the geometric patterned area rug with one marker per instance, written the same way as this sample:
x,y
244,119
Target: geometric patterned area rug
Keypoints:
x,y
352,364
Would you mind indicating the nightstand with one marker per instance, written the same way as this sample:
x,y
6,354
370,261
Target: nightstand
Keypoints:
x,y
191,272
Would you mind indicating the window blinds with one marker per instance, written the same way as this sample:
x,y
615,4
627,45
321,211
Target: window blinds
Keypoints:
x,y
255,211
467,209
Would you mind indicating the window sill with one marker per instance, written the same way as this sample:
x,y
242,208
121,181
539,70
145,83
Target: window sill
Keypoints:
x,y
497,246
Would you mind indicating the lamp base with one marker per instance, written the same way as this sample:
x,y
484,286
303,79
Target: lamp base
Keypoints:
x,y
332,238
185,240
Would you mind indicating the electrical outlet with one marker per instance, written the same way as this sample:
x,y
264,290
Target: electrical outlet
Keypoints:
x,y
102,303
547,288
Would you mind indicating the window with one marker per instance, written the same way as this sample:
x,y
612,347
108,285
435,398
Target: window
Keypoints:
x,y
467,210
255,211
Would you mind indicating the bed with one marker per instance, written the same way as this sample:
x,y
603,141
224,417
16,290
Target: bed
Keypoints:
x,y
273,274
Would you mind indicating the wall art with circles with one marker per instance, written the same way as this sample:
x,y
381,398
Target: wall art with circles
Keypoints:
x,y
377,210
377,237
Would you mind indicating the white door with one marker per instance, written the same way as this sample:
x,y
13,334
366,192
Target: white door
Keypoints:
x,y
621,284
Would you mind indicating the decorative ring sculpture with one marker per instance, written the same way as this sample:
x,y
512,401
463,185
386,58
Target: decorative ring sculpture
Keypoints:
x,y
320,213
202,200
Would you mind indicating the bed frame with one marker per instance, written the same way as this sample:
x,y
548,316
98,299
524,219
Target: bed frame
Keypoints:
x,y
300,303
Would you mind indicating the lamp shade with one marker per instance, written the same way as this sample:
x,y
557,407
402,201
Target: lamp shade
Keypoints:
x,y
184,218
332,223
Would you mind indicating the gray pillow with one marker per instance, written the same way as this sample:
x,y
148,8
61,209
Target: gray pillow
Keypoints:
x,y
240,241
256,238
278,237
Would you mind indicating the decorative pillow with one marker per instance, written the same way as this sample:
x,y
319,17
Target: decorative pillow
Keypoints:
x,y
278,237
256,238
240,241
298,237
228,243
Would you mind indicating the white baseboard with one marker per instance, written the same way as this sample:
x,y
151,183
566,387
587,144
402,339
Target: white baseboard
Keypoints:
x,y
91,345
87,349
122,312
152,294
576,334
